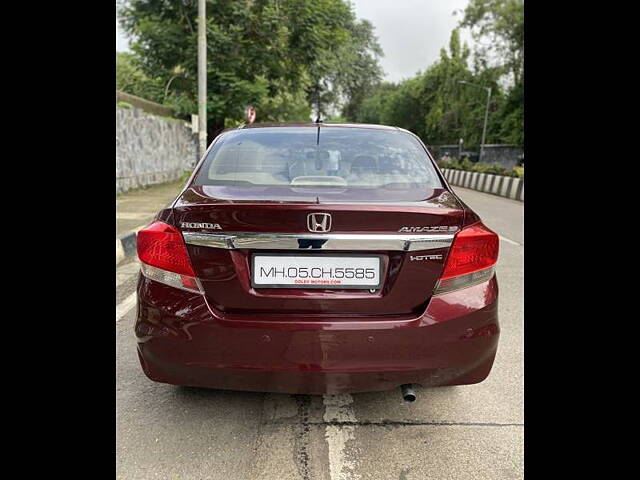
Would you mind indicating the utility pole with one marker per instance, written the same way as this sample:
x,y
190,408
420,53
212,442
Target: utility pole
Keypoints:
x,y
202,76
484,129
486,115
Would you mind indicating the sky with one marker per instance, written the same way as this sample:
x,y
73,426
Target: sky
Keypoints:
x,y
122,44
411,32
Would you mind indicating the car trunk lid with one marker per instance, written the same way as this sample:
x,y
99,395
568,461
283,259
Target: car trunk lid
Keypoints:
x,y
223,237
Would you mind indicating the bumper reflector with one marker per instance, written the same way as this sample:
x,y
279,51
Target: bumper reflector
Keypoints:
x,y
176,280
463,281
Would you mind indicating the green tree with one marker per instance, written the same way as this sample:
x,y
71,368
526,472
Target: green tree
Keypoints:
x,y
498,28
437,107
405,106
358,70
374,108
131,79
512,116
269,53
288,105
434,104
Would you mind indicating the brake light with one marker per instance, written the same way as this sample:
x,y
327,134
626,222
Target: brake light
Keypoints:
x,y
164,257
471,258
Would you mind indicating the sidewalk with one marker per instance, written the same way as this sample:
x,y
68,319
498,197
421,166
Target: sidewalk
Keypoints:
x,y
136,209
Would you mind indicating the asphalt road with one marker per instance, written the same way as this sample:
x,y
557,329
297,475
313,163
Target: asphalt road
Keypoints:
x,y
465,432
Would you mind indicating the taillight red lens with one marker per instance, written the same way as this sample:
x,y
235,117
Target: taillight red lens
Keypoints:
x,y
160,245
474,248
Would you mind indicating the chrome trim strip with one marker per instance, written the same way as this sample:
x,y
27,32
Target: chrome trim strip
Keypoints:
x,y
331,241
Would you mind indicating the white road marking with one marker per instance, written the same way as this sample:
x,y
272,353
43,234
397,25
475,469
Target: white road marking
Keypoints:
x,y
509,240
124,306
337,408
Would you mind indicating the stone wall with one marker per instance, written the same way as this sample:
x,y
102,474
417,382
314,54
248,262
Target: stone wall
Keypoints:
x,y
151,149
505,155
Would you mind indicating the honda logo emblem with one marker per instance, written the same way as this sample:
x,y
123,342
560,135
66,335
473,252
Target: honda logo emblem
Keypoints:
x,y
319,222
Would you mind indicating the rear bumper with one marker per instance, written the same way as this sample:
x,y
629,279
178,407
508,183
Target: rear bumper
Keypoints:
x,y
181,342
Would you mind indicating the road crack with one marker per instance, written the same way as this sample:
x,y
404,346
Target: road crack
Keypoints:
x,y
401,423
301,445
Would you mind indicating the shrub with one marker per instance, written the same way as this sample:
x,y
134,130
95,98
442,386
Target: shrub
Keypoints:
x,y
490,168
467,164
451,164
481,167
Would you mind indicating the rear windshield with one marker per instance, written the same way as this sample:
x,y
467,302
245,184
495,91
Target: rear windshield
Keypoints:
x,y
310,159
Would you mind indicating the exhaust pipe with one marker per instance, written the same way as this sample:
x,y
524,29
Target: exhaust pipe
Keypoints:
x,y
407,393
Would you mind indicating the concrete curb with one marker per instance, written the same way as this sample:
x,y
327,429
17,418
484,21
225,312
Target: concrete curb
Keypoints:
x,y
508,187
126,245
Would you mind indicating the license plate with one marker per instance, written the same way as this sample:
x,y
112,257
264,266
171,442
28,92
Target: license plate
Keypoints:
x,y
316,271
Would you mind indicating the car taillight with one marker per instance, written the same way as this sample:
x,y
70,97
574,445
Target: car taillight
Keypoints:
x,y
471,258
164,257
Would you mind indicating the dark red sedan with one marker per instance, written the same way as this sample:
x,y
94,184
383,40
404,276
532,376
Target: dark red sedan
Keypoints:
x,y
317,258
